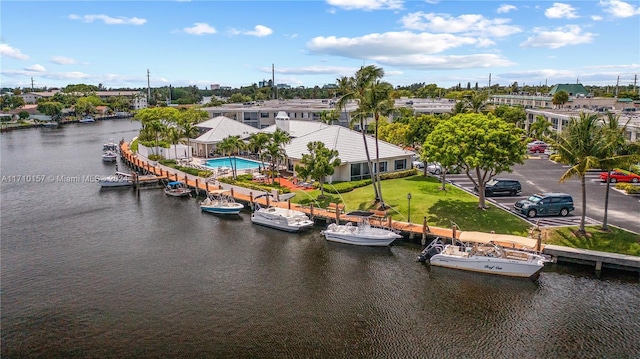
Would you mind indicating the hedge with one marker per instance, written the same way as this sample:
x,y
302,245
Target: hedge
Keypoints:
x,y
628,188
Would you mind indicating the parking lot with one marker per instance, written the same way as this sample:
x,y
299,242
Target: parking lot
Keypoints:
x,y
539,175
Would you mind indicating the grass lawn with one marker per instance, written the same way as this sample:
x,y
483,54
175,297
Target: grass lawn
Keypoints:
x,y
441,208
613,241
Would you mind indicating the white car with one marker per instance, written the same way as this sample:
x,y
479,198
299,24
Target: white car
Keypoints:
x,y
536,143
418,164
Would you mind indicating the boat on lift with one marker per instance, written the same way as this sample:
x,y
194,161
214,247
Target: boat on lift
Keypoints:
x,y
361,234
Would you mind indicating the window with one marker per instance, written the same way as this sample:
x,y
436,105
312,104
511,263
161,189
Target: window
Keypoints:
x,y
400,164
382,167
359,171
264,114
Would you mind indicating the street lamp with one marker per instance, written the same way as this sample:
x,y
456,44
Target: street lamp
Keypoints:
x,y
409,214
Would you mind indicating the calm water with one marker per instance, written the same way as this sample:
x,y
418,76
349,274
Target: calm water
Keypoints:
x,y
240,163
89,273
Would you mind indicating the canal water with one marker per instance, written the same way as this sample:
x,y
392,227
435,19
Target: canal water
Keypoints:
x,y
91,273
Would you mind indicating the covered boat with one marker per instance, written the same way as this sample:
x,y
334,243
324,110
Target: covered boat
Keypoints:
x,y
500,254
281,218
177,189
221,202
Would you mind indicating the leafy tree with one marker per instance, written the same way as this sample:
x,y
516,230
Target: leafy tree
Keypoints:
x,y
87,105
50,108
560,98
23,115
394,132
239,98
319,163
581,144
482,145
512,114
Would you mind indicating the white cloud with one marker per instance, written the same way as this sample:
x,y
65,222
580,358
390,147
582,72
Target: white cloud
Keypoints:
x,y
61,60
108,20
36,68
469,24
311,70
620,8
367,4
596,17
505,8
560,10
200,28
560,37
397,43
428,62
259,31
8,51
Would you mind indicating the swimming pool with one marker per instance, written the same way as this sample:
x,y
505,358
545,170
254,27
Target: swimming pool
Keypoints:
x,y
240,163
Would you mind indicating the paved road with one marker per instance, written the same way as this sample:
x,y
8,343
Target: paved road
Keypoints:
x,y
542,175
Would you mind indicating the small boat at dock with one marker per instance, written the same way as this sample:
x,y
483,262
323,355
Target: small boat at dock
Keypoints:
x,y
120,179
501,254
284,219
362,234
221,202
177,189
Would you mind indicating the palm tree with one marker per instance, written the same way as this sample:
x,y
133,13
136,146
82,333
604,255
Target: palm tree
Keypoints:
x,y
477,103
279,139
614,137
274,153
257,143
379,101
354,89
539,128
580,145
174,135
329,117
157,127
232,145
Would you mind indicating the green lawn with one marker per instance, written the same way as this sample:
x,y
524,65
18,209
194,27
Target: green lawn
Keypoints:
x,y
441,208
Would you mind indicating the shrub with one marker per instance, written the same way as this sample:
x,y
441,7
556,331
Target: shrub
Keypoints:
x,y
155,157
169,163
628,188
554,157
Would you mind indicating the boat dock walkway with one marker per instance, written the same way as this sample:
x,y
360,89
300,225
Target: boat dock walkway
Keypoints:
x,y
410,230
203,186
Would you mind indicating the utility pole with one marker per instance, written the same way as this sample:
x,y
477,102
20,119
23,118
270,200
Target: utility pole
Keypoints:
x,y
32,89
635,81
273,82
489,90
148,88
617,83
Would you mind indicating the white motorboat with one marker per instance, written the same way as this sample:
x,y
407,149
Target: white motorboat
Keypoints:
x,y
281,218
87,119
120,179
221,202
362,234
109,156
110,145
177,189
501,254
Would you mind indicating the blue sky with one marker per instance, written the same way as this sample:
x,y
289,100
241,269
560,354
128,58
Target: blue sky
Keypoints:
x,y
235,43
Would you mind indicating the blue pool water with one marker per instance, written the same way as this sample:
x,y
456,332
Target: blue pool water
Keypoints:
x,y
240,163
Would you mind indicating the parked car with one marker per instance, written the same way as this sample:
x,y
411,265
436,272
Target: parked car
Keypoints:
x,y
545,204
501,186
436,168
538,148
536,143
619,175
418,164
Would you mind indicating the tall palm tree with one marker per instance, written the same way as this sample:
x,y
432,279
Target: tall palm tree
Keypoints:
x,y
174,135
378,99
477,103
157,127
275,154
355,89
257,144
540,127
614,135
231,146
580,145
329,117
279,139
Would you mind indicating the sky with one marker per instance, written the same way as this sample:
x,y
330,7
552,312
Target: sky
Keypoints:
x,y
315,42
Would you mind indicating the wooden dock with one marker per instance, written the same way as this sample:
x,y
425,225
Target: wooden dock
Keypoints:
x,y
203,186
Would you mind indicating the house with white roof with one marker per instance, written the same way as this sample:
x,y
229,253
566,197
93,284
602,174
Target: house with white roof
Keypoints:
x,y
351,151
215,130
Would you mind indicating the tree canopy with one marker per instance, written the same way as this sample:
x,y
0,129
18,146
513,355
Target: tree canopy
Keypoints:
x,y
482,145
318,163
